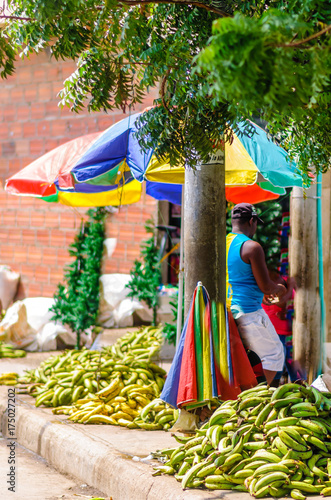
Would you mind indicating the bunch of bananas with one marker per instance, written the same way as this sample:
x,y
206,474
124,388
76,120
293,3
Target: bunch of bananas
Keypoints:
x,y
269,442
64,379
140,345
8,378
119,403
8,351
156,415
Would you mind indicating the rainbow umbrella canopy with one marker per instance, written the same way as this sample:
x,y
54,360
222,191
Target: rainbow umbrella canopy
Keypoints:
x,y
108,168
210,360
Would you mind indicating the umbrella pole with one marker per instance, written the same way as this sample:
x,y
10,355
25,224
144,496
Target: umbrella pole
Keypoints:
x,y
180,274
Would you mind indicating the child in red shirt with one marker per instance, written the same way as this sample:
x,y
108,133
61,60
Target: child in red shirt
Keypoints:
x,y
282,321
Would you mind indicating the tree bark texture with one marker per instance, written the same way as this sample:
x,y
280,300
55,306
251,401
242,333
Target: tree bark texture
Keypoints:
x,y
304,268
204,231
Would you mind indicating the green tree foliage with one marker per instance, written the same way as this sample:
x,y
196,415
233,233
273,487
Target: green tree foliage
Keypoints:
x,y
217,62
146,274
77,302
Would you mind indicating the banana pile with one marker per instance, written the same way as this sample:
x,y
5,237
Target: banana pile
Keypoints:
x,y
156,415
116,404
8,351
127,406
8,378
269,442
78,374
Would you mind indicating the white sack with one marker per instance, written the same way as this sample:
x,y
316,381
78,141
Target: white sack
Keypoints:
x,y
110,245
27,324
116,308
8,285
14,327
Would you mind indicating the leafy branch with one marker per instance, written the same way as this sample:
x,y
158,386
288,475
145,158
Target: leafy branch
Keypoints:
x,y
218,63
305,40
200,5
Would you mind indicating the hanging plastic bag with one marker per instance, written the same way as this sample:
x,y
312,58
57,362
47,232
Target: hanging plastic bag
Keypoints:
x,y
186,422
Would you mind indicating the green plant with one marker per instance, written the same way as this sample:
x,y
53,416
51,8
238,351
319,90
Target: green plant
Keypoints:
x,y
170,329
77,302
267,234
146,274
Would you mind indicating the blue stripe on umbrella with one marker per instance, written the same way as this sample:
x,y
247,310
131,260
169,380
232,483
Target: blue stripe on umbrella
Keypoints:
x,y
170,389
115,144
165,191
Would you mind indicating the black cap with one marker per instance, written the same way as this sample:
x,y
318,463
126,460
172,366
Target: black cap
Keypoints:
x,y
244,211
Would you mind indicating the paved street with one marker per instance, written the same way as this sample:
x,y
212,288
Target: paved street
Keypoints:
x,y
35,480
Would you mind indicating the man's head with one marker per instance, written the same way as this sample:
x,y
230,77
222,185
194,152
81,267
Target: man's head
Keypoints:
x,y
244,218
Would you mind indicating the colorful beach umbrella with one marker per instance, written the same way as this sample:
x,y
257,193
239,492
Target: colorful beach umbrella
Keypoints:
x,y
210,361
107,168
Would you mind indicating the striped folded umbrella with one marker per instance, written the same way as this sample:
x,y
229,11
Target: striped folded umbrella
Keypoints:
x,y
210,360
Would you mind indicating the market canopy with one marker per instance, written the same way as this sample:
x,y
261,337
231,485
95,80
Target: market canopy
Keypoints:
x,y
109,167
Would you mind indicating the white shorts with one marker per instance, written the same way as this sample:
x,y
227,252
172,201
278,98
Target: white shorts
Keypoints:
x,y
259,335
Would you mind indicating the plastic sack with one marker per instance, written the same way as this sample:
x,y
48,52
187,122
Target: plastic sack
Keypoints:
x,y
116,308
319,384
15,328
8,285
45,339
186,422
110,245
28,324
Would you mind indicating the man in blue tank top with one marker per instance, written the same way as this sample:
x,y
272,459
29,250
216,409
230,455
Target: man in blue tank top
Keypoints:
x,y
247,281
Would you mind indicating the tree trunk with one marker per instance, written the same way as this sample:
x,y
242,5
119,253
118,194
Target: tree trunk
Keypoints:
x,y
204,231
304,268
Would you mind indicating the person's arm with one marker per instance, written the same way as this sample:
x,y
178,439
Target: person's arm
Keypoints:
x,y
252,253
290,285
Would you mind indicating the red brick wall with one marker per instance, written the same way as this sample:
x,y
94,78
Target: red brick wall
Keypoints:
x,y
34,235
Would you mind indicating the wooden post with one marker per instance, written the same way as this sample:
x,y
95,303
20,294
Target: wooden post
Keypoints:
x,y
304,268
204,231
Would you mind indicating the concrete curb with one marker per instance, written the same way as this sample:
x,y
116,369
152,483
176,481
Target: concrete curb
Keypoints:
x,y
91,454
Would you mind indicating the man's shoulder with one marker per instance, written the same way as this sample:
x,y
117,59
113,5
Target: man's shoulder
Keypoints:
x,y
252,248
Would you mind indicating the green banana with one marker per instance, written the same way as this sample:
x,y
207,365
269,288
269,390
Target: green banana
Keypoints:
x,y
282,422
207,470
296,443
318,443
231,460
280,445
297,495
315,426
302,486
280,403
254,390
269,468
216,435
249,402
283,389
267,455
271,478
262,416
190,474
